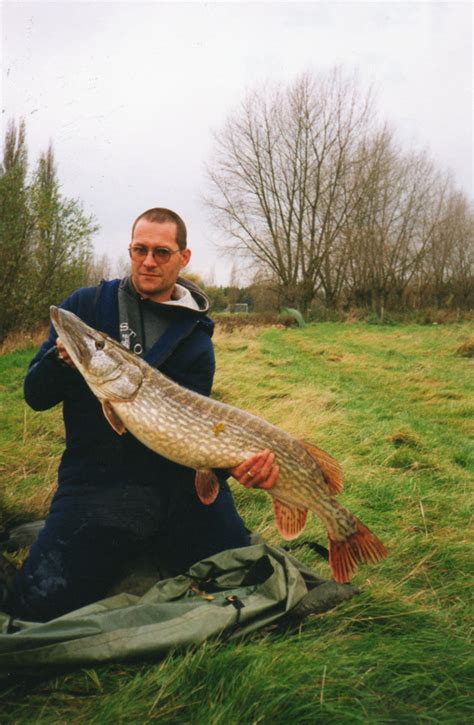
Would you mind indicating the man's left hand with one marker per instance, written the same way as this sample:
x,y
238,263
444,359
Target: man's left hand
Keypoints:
x,y
258,471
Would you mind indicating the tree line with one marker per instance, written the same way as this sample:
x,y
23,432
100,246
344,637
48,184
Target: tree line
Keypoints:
x,y
304,182
327,206
45,238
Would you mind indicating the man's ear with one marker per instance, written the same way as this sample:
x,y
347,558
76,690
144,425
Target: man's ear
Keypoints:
x,y
185,257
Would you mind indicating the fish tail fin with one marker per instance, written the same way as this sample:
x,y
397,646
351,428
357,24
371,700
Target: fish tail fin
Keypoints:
x,y
362,545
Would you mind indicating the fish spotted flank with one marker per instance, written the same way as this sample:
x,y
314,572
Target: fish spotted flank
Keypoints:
x,y
206,434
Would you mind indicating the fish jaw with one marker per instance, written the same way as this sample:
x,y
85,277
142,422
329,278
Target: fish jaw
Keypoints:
x,y
77,344
111,371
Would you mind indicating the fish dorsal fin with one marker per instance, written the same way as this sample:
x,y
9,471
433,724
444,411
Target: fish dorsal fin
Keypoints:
x,y
113,418
330,468
207,485
290,520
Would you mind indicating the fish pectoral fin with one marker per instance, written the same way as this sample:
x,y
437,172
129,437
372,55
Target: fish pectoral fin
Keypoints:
x,y
330,468
290,520
113,418
207,485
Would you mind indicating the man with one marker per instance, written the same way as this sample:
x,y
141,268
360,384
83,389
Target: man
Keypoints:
x,y
115,497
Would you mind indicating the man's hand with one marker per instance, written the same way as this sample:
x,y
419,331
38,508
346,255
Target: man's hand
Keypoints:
x,y
258,471
63,354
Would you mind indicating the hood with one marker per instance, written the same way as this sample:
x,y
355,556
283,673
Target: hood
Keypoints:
x,y
188,294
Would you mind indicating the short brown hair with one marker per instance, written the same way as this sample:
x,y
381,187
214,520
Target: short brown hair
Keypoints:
x,y
160,216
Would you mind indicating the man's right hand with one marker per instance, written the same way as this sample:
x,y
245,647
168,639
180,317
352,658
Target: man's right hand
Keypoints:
x,y
63,354
258,471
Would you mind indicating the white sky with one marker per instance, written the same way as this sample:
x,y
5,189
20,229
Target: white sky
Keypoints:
x,y
129,92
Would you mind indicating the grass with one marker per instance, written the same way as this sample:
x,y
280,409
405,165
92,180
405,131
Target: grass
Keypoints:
x,y
394,405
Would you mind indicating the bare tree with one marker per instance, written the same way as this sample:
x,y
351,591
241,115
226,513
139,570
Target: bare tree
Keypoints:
x,y
448,274
462,264
263,292
280,178
324,201
391,233
99,268
122,266
233,289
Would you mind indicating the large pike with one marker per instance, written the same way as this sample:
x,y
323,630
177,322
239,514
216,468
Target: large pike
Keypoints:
x,y
205,434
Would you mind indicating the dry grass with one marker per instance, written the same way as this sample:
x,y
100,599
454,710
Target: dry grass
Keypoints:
x,y
16,341
466,349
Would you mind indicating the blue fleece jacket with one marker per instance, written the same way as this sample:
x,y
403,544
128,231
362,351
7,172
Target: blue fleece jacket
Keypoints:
x,y
115,495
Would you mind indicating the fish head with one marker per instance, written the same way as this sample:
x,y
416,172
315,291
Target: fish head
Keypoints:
x,y
111,371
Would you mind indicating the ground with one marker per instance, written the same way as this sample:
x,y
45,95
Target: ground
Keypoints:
x,y
393,404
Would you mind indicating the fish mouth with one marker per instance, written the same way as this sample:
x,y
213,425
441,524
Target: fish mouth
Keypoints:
x,y
54,314
75,339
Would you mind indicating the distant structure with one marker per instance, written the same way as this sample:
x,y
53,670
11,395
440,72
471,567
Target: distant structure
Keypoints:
x,y
238,307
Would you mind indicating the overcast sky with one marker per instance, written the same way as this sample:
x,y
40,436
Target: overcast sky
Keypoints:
x,y
130,92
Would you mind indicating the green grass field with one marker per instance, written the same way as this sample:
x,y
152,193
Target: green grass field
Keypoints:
x,y
394,405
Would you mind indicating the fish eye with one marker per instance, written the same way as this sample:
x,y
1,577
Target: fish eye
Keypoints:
x,y
99,344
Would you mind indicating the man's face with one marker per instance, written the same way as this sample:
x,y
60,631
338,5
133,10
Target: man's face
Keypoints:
x,y
154,279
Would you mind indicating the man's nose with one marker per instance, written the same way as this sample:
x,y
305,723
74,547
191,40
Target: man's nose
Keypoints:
x,y
149,259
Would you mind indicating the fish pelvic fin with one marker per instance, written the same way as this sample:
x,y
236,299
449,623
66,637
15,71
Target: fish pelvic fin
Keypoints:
x,y
114,420
362,545
330,468
290,520
207,485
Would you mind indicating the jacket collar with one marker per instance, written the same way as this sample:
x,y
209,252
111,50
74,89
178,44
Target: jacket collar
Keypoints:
x,y
183,323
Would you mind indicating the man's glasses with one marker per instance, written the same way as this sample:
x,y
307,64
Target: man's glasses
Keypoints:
x,y
161,255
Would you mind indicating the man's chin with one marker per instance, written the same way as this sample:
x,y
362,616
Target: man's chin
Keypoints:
x,y
149,290
152,291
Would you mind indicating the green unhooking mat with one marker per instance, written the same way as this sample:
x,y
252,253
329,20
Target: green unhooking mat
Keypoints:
x,y
227,595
